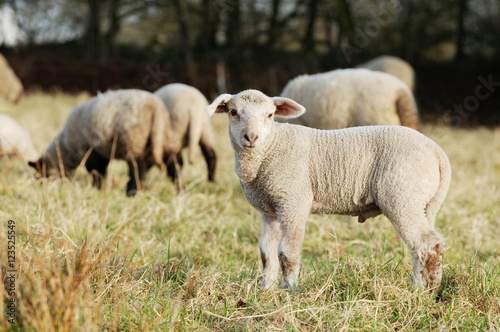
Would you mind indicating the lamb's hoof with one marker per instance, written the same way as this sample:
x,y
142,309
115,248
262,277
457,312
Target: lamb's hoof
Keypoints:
x,y
361,219
131,192
290,285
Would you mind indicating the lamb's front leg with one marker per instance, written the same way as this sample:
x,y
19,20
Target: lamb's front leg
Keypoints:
x,y
268,244
289,249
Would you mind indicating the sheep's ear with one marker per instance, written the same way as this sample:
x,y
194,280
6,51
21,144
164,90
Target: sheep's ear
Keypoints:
x,y
36,165
288,108
219,105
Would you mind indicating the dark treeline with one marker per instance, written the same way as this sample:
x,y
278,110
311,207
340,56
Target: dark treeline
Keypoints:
x,y
98,44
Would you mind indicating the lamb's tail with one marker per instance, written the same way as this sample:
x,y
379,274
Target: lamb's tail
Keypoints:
x,y
444,184
157,134
407,110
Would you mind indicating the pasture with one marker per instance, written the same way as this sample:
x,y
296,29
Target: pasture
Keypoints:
x,y
91,260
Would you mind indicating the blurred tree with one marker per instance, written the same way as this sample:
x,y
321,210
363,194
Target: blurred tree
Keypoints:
x,y
185,42
273,24
308,41
462,12
346,24
104,20
234,24
207,36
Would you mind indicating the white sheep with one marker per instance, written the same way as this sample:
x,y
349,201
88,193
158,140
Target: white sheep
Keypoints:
x,y
352,97
15,140
190,123
288,171
11,87
392,65
132,125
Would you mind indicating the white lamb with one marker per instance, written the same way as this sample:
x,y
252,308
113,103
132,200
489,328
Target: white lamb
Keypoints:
x,y
392,65
352,97
288,171
15,140
190,124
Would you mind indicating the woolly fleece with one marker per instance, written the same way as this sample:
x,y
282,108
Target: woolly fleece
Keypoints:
x,y
11,87
15,139
394,66
190,124
352,97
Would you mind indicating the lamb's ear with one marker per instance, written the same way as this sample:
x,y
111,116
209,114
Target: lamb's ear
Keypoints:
x,y
36,165
219,105
33,164
288,108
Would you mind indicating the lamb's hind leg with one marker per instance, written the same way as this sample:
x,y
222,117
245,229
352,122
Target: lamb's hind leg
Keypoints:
x,y
268,245
136,170
426,246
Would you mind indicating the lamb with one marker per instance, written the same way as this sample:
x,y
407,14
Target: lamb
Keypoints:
x,y
132,125
394,66
11,87
15,140
190,124
287,172
352,97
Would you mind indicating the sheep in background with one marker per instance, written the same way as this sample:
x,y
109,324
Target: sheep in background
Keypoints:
x,y
190,123
394,66
132,125
11,87
15,140
352,97
288,171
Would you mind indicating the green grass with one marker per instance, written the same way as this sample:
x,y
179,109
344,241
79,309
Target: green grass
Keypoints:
x,y
91,260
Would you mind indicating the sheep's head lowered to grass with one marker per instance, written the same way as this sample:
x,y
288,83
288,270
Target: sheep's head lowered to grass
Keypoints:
x,y
251,115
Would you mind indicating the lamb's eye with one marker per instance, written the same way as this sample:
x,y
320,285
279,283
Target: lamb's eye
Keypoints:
x,y
270,115
233,112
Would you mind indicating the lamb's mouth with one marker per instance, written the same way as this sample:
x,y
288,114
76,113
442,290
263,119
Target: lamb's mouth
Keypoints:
x,y
249,146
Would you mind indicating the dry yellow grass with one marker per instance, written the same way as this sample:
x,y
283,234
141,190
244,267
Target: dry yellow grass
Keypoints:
x,y
92,260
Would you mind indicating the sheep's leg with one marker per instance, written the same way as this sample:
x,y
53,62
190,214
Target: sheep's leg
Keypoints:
x,y
96,165
268,244
289,250
180,161
174,172
426,246
136,170
211,159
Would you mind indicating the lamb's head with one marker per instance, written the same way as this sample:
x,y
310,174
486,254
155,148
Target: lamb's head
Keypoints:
x,y
251,115
52,161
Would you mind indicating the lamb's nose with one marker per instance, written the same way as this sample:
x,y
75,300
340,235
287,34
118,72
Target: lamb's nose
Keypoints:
x,y
251,139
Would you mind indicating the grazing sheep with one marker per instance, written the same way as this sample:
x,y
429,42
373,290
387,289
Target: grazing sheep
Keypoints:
x,y
352,97
190,124
15,140
288,171
394,66
125,124
11,87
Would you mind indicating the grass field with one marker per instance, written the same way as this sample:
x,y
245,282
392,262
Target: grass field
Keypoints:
x,y
91,260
